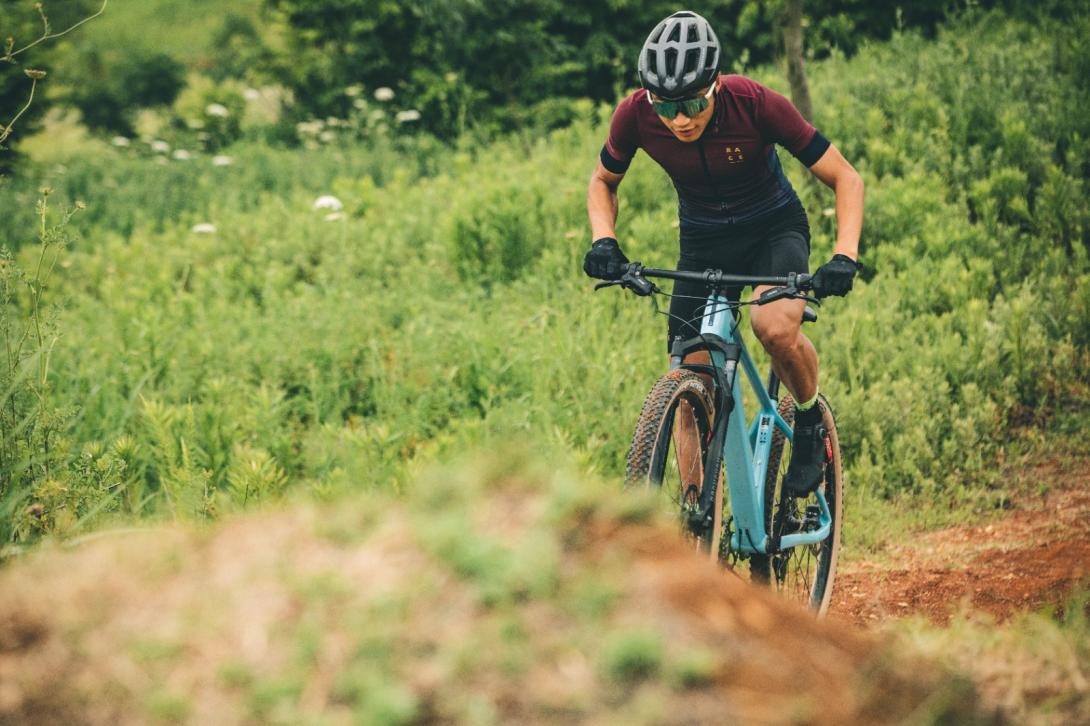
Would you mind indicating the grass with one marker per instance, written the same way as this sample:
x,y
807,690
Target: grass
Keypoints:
x,y
1032,670
444,310
180,28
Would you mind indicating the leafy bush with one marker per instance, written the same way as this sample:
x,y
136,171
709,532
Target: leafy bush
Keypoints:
x,y
300,350
115,83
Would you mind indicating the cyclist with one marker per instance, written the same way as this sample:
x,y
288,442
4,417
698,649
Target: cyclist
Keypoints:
x,y
715,136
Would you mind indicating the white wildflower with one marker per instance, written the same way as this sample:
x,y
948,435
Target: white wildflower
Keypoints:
x,y
204,228
408,116
327,136
328,201
222,160
828,212
335,216
217,109
251,94
354,90
309,128
359,103
181,155
382,93
120,141
160,147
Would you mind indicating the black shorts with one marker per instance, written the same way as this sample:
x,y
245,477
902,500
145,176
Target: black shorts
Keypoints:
x,y
775,245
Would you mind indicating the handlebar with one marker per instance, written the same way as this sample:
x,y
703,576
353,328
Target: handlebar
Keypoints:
x,y
794,285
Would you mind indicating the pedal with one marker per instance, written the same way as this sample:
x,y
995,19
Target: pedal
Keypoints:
x,y
792,524
813,518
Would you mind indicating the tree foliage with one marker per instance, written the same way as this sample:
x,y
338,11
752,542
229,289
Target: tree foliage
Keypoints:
x,y
503,63
22,25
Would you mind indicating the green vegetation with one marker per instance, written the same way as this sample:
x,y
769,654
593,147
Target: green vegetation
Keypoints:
x,y
1032,669
226,295
303,351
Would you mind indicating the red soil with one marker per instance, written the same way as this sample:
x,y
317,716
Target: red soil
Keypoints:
x,y
1031,558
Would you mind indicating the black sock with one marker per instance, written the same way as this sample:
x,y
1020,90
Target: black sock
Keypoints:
x,y
809,417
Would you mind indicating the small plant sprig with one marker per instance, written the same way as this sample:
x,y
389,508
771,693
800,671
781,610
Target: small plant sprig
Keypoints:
x,y
28,419
35,74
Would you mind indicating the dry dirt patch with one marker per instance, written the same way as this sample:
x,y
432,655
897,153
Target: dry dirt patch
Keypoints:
x,y
1031,558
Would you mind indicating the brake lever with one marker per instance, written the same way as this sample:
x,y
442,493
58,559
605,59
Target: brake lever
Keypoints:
x,y
776,293
790,293
639,285
631,280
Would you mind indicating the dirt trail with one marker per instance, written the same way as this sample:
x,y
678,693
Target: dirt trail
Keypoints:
x,y
1033,557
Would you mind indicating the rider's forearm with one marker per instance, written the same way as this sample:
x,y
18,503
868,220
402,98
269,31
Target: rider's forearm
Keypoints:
x,y
602,209
849,214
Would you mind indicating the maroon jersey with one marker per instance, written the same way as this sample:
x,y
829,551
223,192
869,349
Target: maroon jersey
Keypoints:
x,y
732,172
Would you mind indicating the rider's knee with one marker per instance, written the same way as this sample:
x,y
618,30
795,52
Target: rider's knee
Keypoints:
x,y
777,336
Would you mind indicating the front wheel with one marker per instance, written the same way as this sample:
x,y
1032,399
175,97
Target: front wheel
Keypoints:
x,y
804,573
669,448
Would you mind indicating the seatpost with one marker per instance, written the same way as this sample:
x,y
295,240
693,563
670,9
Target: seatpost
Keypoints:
x,y
773,385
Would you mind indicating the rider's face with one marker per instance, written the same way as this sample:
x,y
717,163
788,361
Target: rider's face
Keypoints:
x,y
689,128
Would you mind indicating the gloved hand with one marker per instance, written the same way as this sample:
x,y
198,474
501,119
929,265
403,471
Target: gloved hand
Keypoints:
x,y
835,276
605,260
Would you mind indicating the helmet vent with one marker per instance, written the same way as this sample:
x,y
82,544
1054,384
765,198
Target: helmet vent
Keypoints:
x,y
675,33
693,35
692,61
671,61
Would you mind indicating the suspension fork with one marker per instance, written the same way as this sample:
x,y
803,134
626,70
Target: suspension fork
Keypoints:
x,y
703,518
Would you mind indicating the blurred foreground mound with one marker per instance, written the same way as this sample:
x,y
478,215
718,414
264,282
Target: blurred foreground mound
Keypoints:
x,y
498,592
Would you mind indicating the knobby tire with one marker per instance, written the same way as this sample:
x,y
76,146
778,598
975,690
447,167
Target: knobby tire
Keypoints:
x,y
678,397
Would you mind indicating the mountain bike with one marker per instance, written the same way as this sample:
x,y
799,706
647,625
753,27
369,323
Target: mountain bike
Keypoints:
x,y
690,432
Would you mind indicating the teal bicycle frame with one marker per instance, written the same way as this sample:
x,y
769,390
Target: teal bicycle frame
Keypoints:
x,y
747,444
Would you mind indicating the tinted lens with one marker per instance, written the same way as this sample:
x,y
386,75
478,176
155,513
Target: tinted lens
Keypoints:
x,y
665,108
690,107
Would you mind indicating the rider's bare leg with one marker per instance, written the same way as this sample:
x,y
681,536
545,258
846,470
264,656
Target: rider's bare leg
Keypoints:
x,y
778,326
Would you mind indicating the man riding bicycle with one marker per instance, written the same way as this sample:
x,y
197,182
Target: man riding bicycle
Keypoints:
x,y
715,135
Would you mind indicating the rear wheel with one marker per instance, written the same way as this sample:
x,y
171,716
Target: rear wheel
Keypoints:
x,y
804,573
669,448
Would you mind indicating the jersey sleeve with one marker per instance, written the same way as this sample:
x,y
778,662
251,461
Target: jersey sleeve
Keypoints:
x,y
624,137
782,123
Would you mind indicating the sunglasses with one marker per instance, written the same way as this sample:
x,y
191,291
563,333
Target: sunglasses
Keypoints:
x,y
688,106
